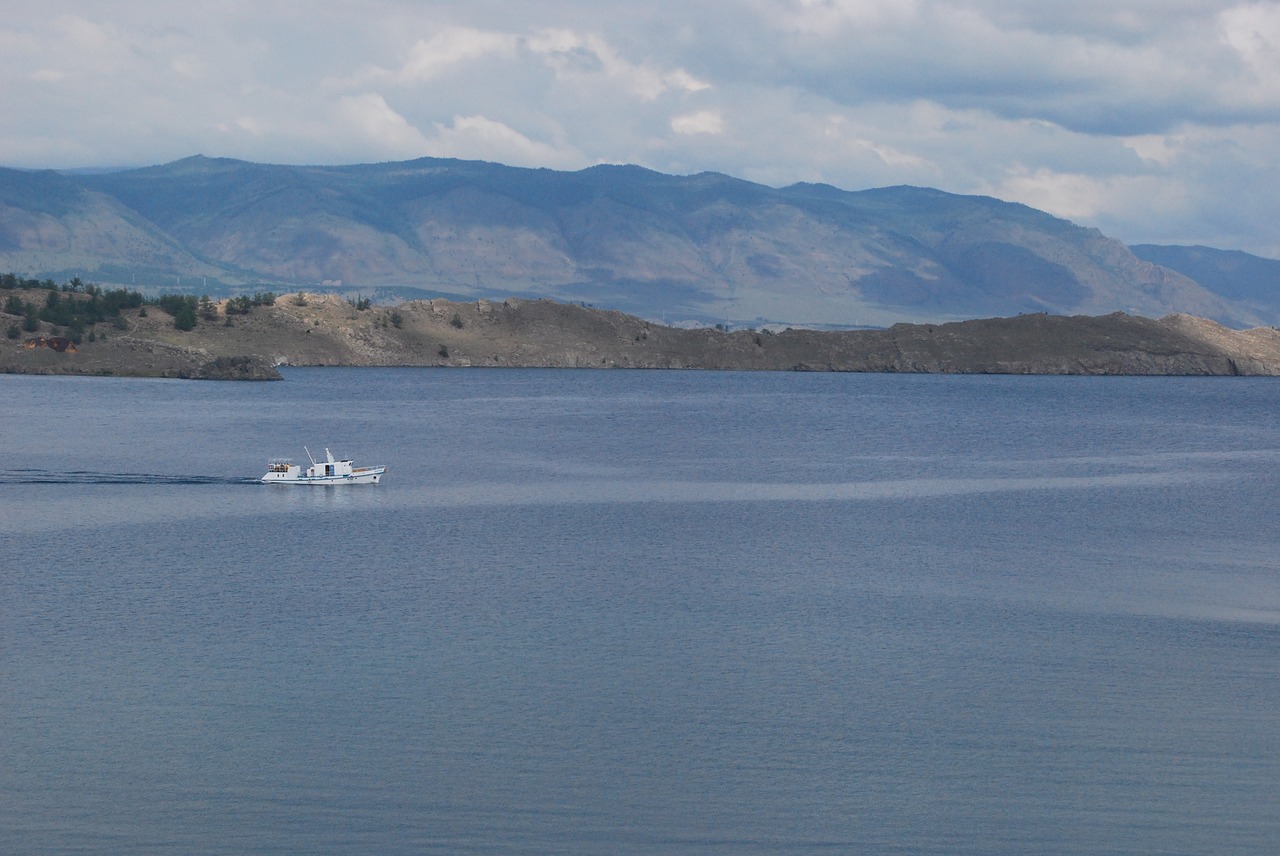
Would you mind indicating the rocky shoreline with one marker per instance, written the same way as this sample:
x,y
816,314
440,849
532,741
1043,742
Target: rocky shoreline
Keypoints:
x,y
316,330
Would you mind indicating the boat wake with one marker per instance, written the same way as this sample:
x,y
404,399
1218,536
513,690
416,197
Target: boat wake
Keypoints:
x,y
29,476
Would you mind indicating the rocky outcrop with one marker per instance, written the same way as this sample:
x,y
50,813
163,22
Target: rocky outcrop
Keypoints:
x,y
235,368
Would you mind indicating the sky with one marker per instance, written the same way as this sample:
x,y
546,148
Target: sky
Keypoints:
x,y
1156,121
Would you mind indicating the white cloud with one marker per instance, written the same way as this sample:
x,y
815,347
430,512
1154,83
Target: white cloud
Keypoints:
x,y
573,57
187,66
683,80
1253,33
478,137
1160,149
452,47
1080,197
1145,117
702,122
830,17
71,48
48,75
844,134
582,56
248,124
370,118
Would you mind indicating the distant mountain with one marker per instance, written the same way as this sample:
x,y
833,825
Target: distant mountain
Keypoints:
x,y
705,247
1248,280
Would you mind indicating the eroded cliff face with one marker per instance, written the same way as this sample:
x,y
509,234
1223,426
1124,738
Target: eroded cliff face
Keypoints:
x,y
311,330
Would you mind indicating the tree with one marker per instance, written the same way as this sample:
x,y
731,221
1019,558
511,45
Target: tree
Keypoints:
x,y
182,307
185,318
184,314
114,301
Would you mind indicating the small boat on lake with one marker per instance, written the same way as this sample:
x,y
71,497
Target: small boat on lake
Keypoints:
x,y
328,471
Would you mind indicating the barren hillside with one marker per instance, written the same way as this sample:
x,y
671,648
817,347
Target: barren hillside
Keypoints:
x,y
323,330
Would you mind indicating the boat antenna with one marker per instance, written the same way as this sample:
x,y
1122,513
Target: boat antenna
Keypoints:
x,y
308,451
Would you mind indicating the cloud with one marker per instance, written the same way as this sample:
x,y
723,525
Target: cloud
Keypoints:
x,y
1159,149
702,122
1148,118
588,58
71,50
444,51
1076,196
370,118
571,56
1252,32
48,75
832,17
1101,69
478,137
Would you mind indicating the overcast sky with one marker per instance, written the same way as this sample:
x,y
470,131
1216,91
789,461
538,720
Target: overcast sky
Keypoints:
x,y
1154,120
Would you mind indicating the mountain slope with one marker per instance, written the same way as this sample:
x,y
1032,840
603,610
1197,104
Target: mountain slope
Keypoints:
x,y
50,224
1245,279
706,247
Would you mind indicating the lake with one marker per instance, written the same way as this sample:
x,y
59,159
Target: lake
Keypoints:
x,y
641,613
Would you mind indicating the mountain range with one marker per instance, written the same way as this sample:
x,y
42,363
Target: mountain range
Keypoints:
x,y
704,248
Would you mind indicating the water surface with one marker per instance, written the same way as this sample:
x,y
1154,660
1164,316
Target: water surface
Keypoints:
x,y
641,612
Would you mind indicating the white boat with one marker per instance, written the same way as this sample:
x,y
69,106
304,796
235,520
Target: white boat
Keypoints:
x,y
328,471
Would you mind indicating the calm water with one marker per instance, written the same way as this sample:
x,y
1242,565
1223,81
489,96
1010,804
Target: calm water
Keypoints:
x,y
628,612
